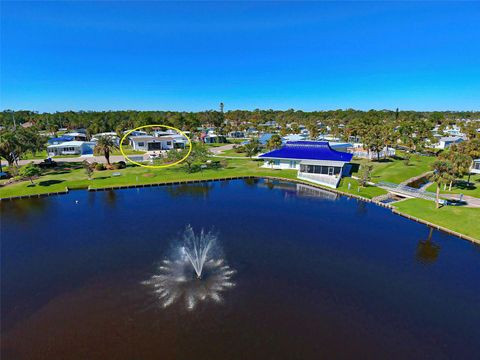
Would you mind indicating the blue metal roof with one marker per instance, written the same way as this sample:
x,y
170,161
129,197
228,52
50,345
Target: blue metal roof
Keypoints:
x,y
263,139
60,139
308,150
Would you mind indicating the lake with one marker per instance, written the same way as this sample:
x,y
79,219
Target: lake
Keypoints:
x,y
312,275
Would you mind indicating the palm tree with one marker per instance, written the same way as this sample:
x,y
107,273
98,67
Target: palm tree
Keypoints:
x,y
442,171
105,145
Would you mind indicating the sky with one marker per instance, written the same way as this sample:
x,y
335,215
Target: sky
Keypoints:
x,y
190,56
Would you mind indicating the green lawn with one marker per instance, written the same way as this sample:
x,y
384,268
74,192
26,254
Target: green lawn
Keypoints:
x,y
394,170
461,219
367,192
464,220
461,188
73,176
232,152
217,144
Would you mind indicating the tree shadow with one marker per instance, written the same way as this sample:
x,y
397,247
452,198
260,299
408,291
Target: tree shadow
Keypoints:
x,y
50,182
464,185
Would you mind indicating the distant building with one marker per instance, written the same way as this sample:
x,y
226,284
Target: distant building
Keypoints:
x,y
236,134
475,169
79,136
112,135
315,161
294,137
211,138
151,143
74,147
445,141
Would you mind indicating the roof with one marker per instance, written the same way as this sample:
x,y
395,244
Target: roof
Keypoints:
x,y
76,134
308,150
60,138
150,138
263,139
294,137
72,143
451,138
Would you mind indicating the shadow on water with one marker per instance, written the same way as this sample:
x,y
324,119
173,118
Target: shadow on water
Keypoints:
x,y
427,251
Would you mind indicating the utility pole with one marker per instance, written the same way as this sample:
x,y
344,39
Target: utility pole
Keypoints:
x,y
13,118
221,107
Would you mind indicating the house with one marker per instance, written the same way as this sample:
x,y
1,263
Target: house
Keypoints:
x,y
475,169
112,135
294,137
151,143
315,161
135,133
358,150
79,136
213,138
445,141
263,139
73,147
236,134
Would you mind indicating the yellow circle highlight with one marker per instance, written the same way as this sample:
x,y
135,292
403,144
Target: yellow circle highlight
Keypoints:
x,y
155,166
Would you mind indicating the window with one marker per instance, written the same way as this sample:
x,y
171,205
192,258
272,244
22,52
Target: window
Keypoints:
x,y
293,164
141,144
276,162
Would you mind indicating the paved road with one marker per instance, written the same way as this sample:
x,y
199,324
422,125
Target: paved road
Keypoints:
x,y
470,200
217,150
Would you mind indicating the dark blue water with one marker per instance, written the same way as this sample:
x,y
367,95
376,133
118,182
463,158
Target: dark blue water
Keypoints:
x,y
318,276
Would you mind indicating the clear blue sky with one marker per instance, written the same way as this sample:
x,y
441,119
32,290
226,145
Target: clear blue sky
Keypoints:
x,y
193,55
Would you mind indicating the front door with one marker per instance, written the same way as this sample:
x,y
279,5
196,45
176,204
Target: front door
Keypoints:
x,y
330,171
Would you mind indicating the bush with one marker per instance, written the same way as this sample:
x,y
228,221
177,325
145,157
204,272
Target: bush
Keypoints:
x,y
224,163
100,167
215,164
239,149
29,171
195,167
119,165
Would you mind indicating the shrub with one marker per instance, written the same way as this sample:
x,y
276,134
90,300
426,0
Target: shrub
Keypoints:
x,y
239,149
29,171
215,164
99,167
119,165
224,163
195,167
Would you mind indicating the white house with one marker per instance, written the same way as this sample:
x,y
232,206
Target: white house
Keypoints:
x,y
79,136
236,134
71,148
475,169
151,143
445,141
112,135
315,161
213,138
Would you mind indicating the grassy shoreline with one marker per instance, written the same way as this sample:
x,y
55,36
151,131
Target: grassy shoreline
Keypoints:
x,y
72,175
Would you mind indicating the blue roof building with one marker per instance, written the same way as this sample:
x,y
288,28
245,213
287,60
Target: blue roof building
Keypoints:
x,y
315,161
60,139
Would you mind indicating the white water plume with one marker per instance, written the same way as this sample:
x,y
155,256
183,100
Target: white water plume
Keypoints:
x,y
194,273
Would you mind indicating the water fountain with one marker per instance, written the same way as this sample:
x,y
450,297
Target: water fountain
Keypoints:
x,y
195,272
